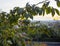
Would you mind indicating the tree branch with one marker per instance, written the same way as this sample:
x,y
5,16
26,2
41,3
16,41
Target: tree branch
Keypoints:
x,y
42,2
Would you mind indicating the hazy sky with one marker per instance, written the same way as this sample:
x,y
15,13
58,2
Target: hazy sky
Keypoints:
x,y
6,5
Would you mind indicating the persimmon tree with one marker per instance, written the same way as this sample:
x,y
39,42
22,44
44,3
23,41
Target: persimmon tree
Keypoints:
x,y
10,36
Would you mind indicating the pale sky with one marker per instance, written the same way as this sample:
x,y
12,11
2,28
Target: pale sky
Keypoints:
x,y
6,5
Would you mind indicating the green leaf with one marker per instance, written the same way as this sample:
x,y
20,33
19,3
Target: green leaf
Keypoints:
x,y
43,12
57,11
58,3
26,15
48,10
53,11
44,5
40,11
31,16
33,12
26,22
20,11
47,3
37,9
28,7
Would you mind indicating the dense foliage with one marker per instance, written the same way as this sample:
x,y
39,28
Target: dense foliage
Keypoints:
x,y
13,35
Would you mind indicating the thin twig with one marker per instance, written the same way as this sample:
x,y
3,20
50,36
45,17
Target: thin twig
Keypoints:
x,y
41,2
